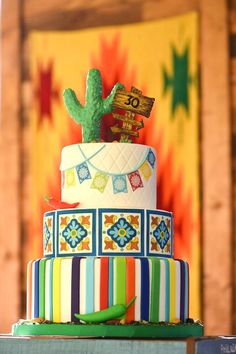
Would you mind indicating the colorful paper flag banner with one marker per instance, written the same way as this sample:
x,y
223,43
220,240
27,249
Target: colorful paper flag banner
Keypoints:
x,y
101,178
100,181
135,180
119,184
83,172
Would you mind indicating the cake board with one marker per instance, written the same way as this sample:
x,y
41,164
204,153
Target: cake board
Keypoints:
x,y
182,330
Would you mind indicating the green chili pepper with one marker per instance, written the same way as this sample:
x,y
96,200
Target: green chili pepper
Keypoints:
x,y
110,313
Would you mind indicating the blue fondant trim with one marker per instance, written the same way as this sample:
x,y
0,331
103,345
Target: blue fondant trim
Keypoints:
x,y
172,236
186,308
159,255
111,282
49,213
145,289
182,289
75,288
120,254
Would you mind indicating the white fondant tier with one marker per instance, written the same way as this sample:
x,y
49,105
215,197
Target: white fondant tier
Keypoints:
x,y
109,175
108,232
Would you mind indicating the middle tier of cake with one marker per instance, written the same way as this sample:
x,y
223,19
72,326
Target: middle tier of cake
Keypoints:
x,y
108,232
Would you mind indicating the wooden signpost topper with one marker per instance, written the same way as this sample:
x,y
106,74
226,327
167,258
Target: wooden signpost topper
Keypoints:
x,y
134,103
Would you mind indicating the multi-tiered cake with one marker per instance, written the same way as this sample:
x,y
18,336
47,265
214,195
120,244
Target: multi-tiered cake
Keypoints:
x,y
109,247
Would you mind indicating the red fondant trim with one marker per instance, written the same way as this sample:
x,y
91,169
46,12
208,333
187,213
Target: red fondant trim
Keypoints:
x,y
104,280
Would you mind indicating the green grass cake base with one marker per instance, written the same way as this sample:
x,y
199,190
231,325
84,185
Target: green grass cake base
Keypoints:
x,y
181,330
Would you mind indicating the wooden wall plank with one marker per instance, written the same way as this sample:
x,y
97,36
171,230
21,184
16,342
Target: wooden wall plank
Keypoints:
x,y
232,16
9,162
153,9
69,14
216,167
232,29
233,112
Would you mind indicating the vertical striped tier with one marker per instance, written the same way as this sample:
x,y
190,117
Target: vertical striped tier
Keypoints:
x,y
57,288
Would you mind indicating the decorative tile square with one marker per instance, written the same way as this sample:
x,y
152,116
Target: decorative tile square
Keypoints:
x,y
121,232
76,232
159,233
49,234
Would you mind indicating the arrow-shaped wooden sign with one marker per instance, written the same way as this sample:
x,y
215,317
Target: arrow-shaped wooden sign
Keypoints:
x,y
134,102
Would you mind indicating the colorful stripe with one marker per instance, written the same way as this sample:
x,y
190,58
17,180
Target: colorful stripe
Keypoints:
x,y
66,269
33,281
120,280
137,289
56,292
163,295
82,293
145,289
75,288
172,290
89,284
36,288
150,284
29,296
111,281
104,283
167,289
155,290
130,287
47,289
177,311
51,289
182,289
186,308
42,266
97,284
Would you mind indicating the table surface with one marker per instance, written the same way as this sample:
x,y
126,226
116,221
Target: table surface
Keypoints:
x,y
69,345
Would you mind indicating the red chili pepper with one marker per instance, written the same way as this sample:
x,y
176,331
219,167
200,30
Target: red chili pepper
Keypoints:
x,y
57,204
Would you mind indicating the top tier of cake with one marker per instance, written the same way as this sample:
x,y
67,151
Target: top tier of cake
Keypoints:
x,y
109,175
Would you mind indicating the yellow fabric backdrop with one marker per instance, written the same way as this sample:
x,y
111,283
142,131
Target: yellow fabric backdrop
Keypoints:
x,y
160,58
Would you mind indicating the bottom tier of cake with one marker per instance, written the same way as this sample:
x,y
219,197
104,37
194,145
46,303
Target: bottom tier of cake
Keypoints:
x,y
57,288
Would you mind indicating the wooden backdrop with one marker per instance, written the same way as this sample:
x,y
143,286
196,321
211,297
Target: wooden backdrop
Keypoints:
x,y
218,97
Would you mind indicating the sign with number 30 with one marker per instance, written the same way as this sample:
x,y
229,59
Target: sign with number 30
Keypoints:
x,y
133,102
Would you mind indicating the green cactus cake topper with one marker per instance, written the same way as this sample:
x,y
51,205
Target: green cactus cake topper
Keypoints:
x,y
90,115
